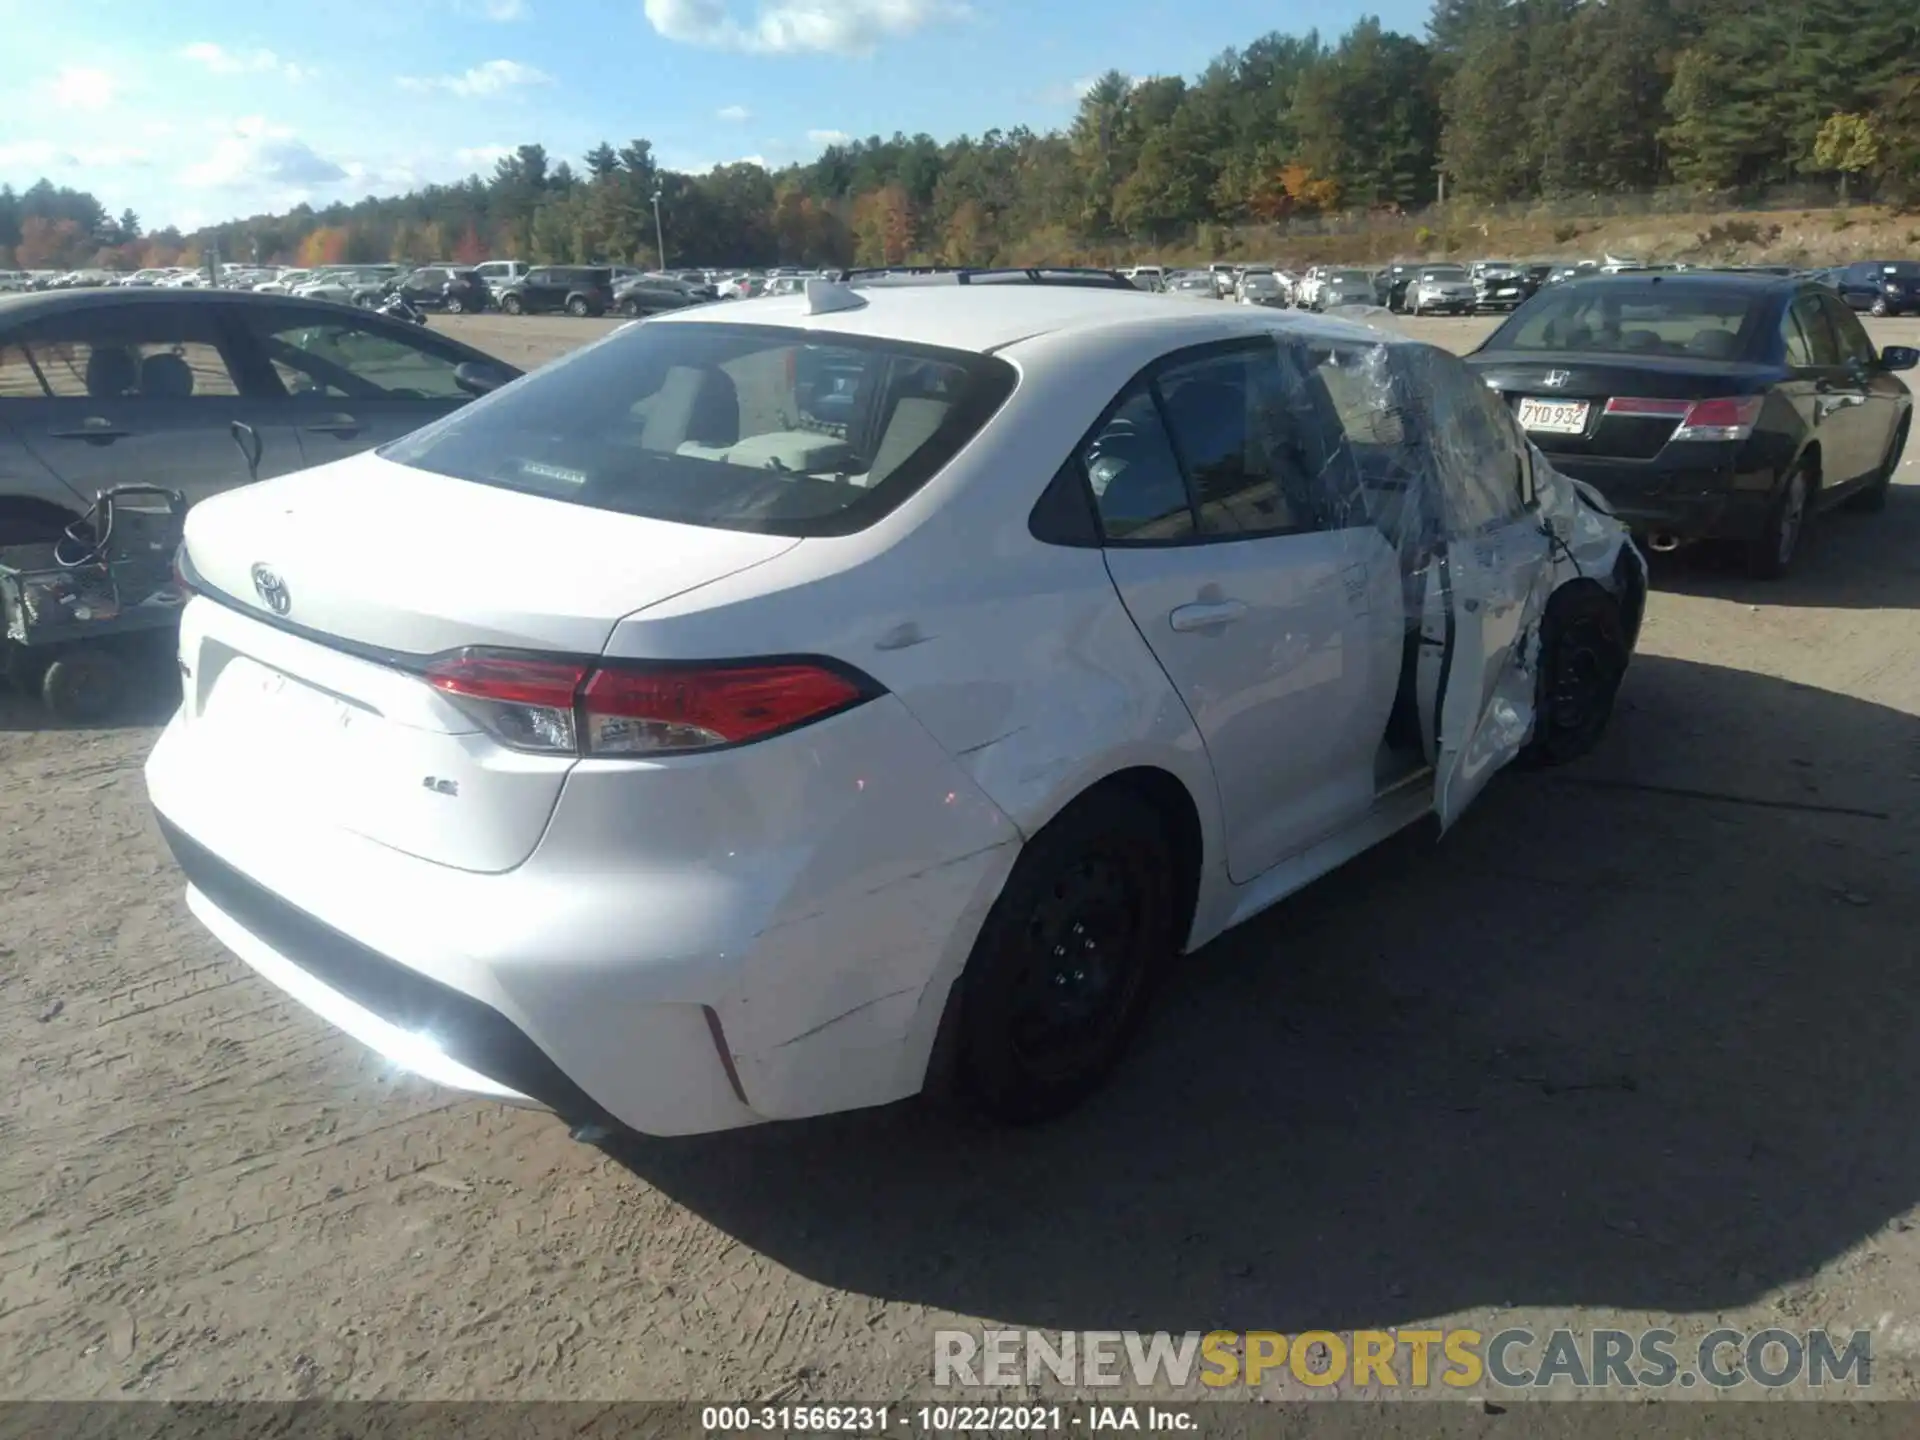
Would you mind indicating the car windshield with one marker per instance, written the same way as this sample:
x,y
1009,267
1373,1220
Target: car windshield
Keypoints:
x,y
1261,282
1443,272
1193,282
744,427
1353,277
1652,317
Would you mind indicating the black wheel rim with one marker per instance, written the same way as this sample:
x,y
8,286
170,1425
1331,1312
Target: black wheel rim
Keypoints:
x,y
1582,678
85,691
1081,971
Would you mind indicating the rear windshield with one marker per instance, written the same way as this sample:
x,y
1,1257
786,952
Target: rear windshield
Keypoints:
x,y
1444,272
1629,318
745,427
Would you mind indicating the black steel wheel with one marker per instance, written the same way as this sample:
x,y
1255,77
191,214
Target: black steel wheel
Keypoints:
x,y
1771,553
1059,976
1583,659
83,684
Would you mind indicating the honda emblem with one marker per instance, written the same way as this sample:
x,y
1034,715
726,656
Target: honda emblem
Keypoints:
x,y
1558,379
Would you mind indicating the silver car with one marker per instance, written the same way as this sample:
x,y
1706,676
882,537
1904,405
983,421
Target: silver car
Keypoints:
x,y
202,390
1442,290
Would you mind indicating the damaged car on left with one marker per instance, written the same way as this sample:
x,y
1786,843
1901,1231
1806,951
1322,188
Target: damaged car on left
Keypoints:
x,y
703,745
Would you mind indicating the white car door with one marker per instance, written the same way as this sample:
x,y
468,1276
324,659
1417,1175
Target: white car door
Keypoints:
x,y
1486,585
1267,625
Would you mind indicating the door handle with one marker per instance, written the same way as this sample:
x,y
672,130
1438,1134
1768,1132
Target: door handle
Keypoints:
x,y
1206,615
335,425
95,428
248,439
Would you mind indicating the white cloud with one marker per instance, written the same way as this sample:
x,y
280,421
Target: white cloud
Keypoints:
x,y
222,61
494,77
735,113
828,137
496,10
81,88
786,27
256,154
483,156
49,155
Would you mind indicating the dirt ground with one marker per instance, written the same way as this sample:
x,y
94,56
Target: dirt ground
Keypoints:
x,y
1634,1045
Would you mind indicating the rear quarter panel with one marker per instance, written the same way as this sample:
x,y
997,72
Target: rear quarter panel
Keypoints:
x,y
1017,657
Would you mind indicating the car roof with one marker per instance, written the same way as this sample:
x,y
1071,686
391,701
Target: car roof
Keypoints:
x,y
989,318
1754,280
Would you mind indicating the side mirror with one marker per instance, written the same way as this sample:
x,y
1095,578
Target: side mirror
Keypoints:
x,y
1899,357
478,379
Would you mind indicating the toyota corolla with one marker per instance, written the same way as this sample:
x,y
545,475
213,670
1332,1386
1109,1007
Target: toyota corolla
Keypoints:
x,y
681,750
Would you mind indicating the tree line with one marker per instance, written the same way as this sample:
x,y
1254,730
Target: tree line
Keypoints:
x,y
1501,100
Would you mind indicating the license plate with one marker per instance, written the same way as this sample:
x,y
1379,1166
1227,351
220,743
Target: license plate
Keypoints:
x,y
1554,417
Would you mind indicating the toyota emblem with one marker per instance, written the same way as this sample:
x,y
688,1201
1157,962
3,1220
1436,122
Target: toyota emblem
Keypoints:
x,y
1557,378
272,589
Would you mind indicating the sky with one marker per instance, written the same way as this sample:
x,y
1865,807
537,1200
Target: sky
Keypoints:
x,y
192,112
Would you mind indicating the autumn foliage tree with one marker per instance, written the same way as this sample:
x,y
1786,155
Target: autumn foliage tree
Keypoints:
x,y
884,227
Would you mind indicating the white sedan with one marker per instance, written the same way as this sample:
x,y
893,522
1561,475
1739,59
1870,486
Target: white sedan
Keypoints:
x,y
788,707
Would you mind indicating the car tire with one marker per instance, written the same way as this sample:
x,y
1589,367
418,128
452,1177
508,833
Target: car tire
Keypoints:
x,y
1059,975
513,305
630,308
1771,553
1583,659
1873,498
579,308
455,307
83,684
1879,306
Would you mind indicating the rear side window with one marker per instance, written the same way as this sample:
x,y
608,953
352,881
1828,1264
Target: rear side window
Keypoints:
x,y
122,352
1137,486
743,427
1810,316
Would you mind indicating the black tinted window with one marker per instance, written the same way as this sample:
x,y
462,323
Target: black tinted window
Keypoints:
x,y
1234,435
1795,346
1856,346
1135,478
744,427
1812,316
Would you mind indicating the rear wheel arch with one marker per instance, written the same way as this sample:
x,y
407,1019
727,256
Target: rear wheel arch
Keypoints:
x,y
1161,793
1180,820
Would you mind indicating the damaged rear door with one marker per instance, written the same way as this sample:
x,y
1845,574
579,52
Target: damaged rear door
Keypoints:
x,y
1486,587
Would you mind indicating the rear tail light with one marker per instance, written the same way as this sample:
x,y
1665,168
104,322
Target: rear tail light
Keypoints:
x,y
566,707
1729,418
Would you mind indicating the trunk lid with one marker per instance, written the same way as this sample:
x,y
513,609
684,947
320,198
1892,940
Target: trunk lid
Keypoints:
x,y
311,708
1595,379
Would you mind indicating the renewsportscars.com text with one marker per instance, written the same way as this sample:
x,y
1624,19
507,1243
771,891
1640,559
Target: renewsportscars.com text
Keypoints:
x,y
1514,1359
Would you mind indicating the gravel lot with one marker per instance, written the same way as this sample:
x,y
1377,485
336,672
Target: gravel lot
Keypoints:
x,y
1634,1045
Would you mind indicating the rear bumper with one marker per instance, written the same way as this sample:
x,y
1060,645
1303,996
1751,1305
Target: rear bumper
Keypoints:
x,y
1688,504
782,948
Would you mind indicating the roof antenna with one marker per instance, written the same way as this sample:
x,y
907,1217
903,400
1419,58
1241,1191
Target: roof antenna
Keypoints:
x,y
825,297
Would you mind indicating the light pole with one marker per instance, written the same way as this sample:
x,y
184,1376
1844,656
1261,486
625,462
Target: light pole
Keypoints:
x,y
659,234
